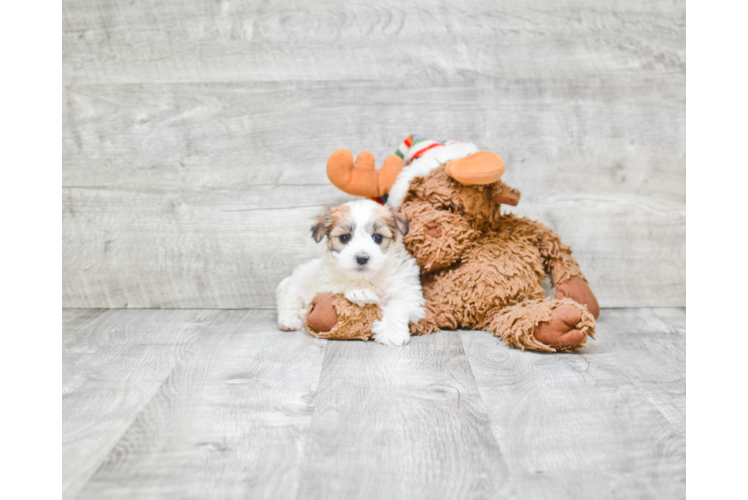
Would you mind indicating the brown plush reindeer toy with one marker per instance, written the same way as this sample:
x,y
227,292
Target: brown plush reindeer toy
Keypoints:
x,y
481,269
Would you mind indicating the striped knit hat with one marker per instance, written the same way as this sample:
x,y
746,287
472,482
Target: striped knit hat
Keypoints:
x,y
414,146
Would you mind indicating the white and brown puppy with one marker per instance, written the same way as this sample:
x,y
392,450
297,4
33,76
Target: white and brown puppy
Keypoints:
x,y
366,262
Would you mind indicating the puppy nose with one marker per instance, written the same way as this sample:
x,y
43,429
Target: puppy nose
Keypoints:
x,y
362,259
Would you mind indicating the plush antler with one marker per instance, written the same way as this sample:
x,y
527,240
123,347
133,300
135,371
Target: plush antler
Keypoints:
x,y
481,168
362,178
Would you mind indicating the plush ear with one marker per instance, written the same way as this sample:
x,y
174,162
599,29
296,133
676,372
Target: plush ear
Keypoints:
x,y
479,168
321,225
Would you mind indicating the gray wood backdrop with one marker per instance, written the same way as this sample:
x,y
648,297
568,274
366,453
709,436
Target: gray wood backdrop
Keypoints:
x,y
195,133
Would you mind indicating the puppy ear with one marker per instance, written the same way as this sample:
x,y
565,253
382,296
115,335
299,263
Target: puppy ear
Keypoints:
x,y
321,224
401,223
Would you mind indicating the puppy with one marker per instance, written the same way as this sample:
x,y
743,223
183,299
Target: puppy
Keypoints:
x,y
366,262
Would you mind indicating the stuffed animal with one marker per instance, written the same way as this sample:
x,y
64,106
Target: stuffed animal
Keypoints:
x,y
481,269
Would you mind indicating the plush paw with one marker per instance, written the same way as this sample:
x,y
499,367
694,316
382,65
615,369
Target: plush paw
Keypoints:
x,y
322,315
362,297
289,322
561,330
388,334
579,291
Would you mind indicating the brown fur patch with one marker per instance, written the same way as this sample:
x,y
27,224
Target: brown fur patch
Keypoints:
x,y
558,260
401,223
437,253
383,225
482,269
496,270
475,203
319,229
354,322
502,193
333,222
389,224
516,324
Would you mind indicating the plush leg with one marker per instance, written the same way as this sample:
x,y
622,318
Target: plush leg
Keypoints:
x,y
445,307
428,324
499,269
546,325
334,317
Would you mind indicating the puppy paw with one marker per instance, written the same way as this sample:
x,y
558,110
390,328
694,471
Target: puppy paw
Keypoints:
x,y
362,297
390,335
289,322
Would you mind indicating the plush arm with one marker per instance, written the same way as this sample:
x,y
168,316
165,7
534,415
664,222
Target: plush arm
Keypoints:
x,y
334,317
559,263
566,276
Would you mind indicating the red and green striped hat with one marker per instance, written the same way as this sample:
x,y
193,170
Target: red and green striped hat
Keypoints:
x,y
414,146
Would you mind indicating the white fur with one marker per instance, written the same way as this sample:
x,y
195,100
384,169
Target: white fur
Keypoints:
x,y
390,278
420,167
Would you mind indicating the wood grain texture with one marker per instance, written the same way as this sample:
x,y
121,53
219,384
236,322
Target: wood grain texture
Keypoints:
x,y
112,364
224,249
401,423
176,112
606,422
226,423
221,404
77,323
295,40
608,135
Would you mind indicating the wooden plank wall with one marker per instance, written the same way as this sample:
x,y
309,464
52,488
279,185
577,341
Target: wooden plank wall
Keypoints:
x,y
195,133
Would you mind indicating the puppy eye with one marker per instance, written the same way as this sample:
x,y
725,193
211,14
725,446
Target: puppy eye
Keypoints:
x,y
377,238
344,238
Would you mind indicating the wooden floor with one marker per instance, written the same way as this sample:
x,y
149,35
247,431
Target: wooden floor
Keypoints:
x,y
221,404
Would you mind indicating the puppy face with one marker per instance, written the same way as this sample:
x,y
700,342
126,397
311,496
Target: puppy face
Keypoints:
x,y
359,235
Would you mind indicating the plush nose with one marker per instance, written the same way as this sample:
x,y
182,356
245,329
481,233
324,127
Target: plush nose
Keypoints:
x,y
362,259
434,230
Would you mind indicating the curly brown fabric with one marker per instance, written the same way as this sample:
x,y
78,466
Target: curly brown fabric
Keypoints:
x,y
437,238
504,194
354,322
482,269
443,193
557,257
486,268
516,324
